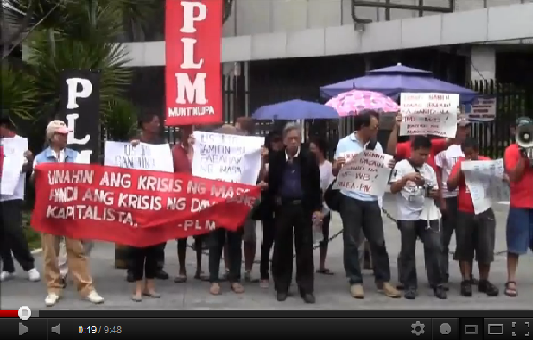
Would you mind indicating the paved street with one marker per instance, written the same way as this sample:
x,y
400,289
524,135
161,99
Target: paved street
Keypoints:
x,y
331,291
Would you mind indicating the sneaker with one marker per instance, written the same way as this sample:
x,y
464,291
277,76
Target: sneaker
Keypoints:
x,y
440,292
95,298
390,291
484,286
4,276
51,299
357,291
33,275
410,293
466,288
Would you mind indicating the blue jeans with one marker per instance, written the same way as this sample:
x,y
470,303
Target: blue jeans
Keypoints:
x,y
519,230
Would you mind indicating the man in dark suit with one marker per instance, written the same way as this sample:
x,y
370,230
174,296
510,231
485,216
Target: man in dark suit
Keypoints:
x,y
294,186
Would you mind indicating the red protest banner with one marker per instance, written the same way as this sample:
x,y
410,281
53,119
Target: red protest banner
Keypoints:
x,y
134,207
193,32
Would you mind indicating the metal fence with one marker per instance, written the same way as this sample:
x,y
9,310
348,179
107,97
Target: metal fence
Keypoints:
x,y
512,102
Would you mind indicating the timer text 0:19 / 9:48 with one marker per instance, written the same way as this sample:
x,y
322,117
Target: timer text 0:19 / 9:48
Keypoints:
x,y
100,329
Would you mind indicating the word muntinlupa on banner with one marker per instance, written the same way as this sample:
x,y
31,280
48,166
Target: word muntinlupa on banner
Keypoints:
x,y
429,114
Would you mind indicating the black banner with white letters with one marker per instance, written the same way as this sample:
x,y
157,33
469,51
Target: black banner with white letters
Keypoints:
x,y
79,109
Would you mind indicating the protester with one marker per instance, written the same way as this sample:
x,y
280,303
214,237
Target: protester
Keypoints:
x,y
182,154
150,126
416,187
445,161
267,207
233,241
520,219
246,126
62,258
475,232
362,212
294,184
144,260
57,152
13,241
318,146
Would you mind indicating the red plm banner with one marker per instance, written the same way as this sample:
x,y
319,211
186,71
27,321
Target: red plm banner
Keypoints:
x,y
134,207
193,33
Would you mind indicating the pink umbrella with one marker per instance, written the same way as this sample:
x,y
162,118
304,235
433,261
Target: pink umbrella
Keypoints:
x,y
353,102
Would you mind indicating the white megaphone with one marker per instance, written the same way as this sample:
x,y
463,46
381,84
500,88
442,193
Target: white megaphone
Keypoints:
x,y
524,137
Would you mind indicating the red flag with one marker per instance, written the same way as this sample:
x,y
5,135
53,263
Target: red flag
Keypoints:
x,y
193,32
134,207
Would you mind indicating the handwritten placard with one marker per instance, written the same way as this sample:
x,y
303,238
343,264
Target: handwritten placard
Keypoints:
x,y
429,114
139,157
484,179
226,157
367,172
12,162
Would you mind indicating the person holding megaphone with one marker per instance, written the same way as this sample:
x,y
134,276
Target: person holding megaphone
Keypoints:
x,y
518,161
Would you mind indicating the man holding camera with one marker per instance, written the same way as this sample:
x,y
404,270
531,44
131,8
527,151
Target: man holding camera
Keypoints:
x,y
518,165
474,232
416,187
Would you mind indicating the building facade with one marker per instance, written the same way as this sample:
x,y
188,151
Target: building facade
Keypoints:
x,y
273,50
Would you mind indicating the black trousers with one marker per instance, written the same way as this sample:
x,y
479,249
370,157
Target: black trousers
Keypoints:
x,y
430,236
449,224
159,253
216,245
269,232
325,231
293,224
144,261
12,237
359,215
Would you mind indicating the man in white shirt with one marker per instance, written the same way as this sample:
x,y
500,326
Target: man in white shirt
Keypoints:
x,y
12,236
416,187
444,162
361,212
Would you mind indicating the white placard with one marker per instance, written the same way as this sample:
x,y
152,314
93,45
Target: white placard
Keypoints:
x,y
366,172
429,114
484,179
483,110
14,149
226,157
139,157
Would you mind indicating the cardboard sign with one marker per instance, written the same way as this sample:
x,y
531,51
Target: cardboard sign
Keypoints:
x,y
429,114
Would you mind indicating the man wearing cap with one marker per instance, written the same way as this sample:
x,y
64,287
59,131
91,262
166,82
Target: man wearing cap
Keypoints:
x,y
11,235
57,152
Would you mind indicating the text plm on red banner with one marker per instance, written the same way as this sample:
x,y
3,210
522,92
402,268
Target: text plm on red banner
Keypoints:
x,y
193,33
134,207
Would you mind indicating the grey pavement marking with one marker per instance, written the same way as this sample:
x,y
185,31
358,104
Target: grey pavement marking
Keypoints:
x,y
331,291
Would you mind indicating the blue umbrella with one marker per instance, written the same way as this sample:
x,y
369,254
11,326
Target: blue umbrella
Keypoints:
x,y
394,80
295,110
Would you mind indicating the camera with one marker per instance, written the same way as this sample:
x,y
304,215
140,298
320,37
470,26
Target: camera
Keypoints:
x,y
428,189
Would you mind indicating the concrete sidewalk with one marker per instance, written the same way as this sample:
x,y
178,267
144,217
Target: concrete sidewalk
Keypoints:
x,y
331,291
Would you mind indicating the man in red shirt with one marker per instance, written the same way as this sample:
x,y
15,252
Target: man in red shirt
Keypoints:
x,y
520,220
182,155
474,232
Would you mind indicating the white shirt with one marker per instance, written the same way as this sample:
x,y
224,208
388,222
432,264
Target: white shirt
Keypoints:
x,y
326,177
411,200
18,192
445,161
60,158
